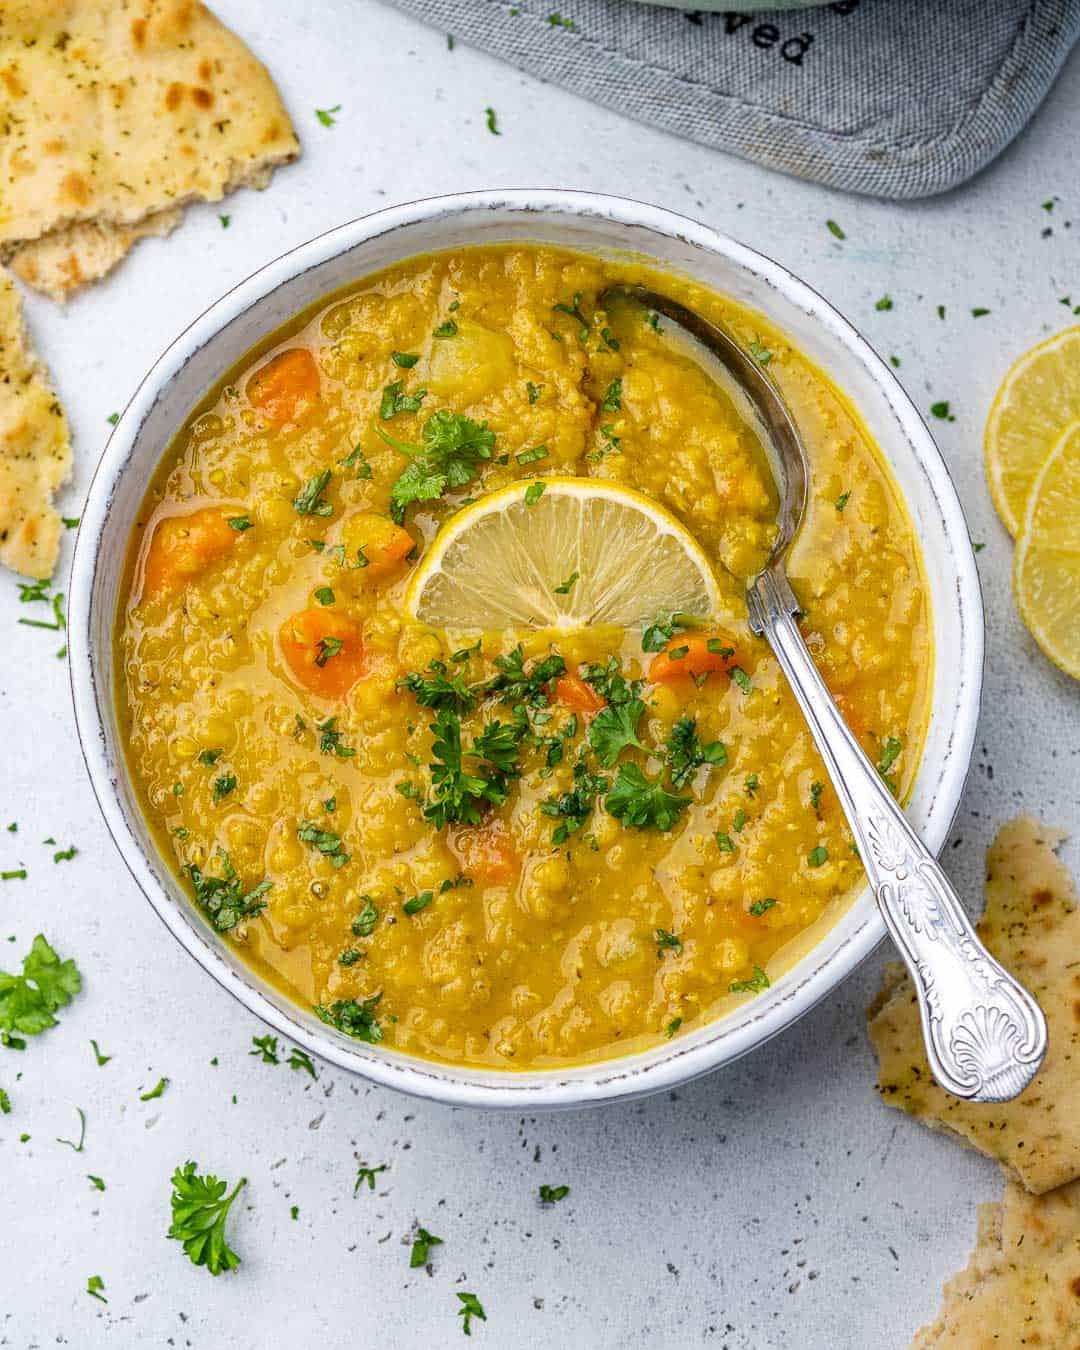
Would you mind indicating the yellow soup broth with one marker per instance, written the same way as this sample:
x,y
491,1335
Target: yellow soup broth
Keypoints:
x,y
287,722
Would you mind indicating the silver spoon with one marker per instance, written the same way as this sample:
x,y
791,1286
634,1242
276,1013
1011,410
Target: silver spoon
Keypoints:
x,y
985,1035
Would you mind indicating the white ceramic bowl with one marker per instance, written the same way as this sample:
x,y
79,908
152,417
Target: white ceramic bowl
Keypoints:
x,y
580,220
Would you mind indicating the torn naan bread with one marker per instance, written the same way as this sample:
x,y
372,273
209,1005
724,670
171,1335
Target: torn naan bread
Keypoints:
x,y
117,114
1022,1284
35,452
1032,926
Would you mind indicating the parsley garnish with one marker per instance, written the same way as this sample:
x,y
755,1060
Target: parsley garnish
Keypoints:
x,y
941,412
239,523
843,500
224,785
439,690
356,459
98,1056
816,789
364,923
422,1243
884,303
739,820
835,229
470,1307
666,941
329,646
405,360
445,330
224,898
642,802
396,400
759,907
575,806
557,21
516,685
210,757
28,1001
573,309
531,456
324,595
754,985
741,679
890,753
326,115
265,1048
533,493
818,856
613,729
550,1195
449,457
200,1208
325,841
492,125
685,751
368,1174
724,842
95,1284
533,390
612,401
300,1059
760,353
458,795
77,1147
355,1018
418,902
672,1027
158,1090
330,739
309,501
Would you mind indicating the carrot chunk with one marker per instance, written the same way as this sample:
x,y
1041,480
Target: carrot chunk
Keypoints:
x,y
183,546
384,544
286,386
694,654
572,692
485,851
324,650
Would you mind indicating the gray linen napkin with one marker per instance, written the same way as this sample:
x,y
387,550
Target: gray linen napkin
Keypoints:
x,y
896,98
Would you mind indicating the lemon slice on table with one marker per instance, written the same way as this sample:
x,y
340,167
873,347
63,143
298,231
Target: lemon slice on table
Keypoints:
x,y
1046,568
562,553
1037,400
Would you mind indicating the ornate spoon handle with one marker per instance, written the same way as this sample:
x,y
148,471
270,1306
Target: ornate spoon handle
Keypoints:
x,y
985,1035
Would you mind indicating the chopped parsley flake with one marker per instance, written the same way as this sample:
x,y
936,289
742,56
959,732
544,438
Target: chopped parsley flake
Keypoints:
x,y
642,802
325,841
158,1090
395,400
835,230
28,1001
354,1017
754,985
759,907
368,1175
470,1307
492,124
309,501
422,1244
326,115
533,493
843,500
550,1195
405,360
265,1048
224,898
818,856
760,353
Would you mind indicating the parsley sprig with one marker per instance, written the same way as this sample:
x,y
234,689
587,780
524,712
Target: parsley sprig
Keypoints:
x,y
200,1209
28,1001
224,898
449,457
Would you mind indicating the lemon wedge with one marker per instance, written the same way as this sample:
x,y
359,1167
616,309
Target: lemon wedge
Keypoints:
x,y
1038,399
563,553
1046,567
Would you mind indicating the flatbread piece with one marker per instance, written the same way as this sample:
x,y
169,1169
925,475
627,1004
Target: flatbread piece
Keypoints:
x,y
35,451
1032,926
1021,1287
117,113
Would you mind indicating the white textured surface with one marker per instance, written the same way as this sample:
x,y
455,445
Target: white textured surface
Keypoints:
x,y
778,1204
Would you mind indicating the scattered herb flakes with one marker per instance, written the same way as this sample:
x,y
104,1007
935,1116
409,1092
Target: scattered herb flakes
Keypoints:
x,y
326,115
979,313
574,311
533,493
760,907
324,595
941,311
752,784
941,411
158,1090
885,303
685,752
739,820
354,1017
294,1211
367,1174
817,857
642,802
470,1307
551,1195
97,1183
422,1244
358,462
5,1103
28,1001
226,221
330,740
724,842
76,1147
977,548
843,500
209,757
239,523
266,1048
890,753
94,1286
223,786
70,522
200,1209
894,361
15,874
538,452
612,400
533,391
405,360
754,985
835,229
816,789
557,21
672,1027
492,123
113,418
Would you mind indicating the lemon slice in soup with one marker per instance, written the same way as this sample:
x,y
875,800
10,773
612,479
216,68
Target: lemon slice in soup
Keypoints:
x,y
562,553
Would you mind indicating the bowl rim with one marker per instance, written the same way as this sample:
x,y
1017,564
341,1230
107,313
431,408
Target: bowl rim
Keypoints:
x,y
610,1079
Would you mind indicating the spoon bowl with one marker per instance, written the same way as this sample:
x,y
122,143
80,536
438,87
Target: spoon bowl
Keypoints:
x,y
985,1034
